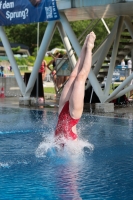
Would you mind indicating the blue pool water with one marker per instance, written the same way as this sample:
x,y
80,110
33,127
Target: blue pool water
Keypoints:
x,y
31,168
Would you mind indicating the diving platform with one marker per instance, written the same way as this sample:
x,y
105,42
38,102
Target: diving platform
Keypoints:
x,y
96,9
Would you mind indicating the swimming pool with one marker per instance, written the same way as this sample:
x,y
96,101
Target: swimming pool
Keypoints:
x,y
105,172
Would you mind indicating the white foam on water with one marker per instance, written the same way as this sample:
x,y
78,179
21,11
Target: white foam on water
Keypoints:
x,y
70,149
12,163
4,165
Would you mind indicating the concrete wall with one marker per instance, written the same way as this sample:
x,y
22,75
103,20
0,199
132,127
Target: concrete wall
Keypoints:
x,y
10,86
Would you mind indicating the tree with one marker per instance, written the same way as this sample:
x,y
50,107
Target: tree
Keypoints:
x,y
27,33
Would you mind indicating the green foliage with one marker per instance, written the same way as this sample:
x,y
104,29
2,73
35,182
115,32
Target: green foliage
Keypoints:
x,y
23,68
21,61
34,52
27,33
56,41
16,49
79,26
48,59
30,60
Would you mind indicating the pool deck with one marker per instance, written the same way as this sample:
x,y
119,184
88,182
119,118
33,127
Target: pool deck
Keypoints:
x,y
51,103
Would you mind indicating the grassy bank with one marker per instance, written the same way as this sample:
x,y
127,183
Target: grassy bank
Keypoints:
x,y
50,90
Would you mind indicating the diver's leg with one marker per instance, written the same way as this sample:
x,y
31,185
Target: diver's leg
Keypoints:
x,y
77,95
68,88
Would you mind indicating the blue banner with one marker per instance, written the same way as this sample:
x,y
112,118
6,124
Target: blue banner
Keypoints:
x,y
27,11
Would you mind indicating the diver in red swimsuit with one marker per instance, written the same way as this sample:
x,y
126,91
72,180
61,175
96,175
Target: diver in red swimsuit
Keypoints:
x,y
65,124
72,97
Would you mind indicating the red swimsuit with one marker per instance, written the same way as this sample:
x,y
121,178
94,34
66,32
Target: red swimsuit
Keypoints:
x,y
65,124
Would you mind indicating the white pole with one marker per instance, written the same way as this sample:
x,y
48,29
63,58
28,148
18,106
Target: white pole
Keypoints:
x,y
129,25
70,33
12,60
113,57
106,48
37,80
38,37
120,87
122,92
91,95
107,28
67,45
41,53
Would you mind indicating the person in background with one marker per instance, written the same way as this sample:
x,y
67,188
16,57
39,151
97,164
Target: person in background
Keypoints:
x,y
123,63
123,100
72,97
62,79
10,68
129,63
53,72
44,66
48,78
1,71
43,69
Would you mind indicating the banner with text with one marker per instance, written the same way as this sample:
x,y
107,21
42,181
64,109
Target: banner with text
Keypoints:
x,y
27,11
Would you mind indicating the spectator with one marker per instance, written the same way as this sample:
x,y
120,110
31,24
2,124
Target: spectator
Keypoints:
x,y
44,66
129,63
53,72
61,77
123,63
123,100
1,71
43,69
48,79
10,68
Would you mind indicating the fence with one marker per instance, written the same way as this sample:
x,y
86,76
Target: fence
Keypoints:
x,y
10,86
121,73
63,67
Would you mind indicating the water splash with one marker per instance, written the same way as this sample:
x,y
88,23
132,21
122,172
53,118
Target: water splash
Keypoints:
x,y
70,148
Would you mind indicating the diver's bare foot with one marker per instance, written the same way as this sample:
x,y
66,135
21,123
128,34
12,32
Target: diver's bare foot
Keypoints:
x,y
86,41
91,40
